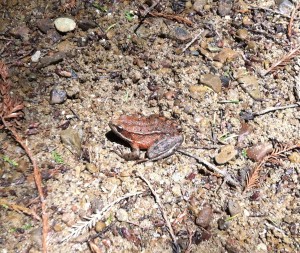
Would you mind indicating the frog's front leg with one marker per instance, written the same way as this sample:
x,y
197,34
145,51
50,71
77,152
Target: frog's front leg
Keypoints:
x,y
164,147
133,155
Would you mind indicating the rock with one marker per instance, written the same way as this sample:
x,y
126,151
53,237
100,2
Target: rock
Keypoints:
x,y
247,21
122,215
252,46
20,32
259,151
65,46
92,168
72,139
226,54
249,84
224,7
99,226
198,91
44,25
53,59
110,184
226,154
204,217
86,24
242,34
36,56
58,227
233,208
64,24
57,96
223,224
294,157
212,81
199,5
285,7
181,34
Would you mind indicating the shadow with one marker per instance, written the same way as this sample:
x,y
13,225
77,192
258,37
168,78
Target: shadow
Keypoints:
x,y
114,138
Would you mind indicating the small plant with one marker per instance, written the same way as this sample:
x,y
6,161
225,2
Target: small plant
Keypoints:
x,y
129,15
244,153
57,157
8,160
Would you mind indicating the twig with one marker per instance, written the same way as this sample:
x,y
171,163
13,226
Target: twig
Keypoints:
x,y
164,214
91,221
150,8
171,17
270,10
283,60
271,109
227,177
192,41
289,34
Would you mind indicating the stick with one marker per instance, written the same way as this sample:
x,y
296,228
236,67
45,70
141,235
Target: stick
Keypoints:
x,y
164,214
192,41
271,109
270,10
227,177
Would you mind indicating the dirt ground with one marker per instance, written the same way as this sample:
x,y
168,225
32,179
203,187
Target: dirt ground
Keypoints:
x,y
227,72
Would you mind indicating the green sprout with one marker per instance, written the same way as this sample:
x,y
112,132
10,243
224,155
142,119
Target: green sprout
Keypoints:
x,y
8,160
244,153
57,157
129,15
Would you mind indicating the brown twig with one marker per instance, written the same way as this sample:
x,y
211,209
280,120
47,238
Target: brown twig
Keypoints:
x,y
164,214
283,60
289,34
192,41
10,113
226,176
171,17
278,152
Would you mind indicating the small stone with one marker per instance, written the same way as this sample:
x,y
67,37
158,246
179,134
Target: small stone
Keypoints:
x,y
247,21
285,7
249,84
53,59
57,96
36,56
223,224
294,157
197,90
224,7
233,208
92,168
20,32
205,216
100,225
212,81
226,154
226,54
65,46
252,46
199,5
58,227
181,34
176,190
122,215
259,151
64,24
45,25
72,139
86,24
110,184
242,34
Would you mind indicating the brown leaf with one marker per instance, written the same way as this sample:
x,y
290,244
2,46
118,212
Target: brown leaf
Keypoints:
x,y
259,151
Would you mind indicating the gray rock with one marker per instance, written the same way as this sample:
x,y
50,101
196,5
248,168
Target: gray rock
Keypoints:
x,y
53,59
122,215
36,56
64,24
233,208
45,25
198,5
86,24
212,81
20,32
181,34
57,96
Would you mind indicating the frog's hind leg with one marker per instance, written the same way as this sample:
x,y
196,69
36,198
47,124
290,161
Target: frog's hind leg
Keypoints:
x,y
131,156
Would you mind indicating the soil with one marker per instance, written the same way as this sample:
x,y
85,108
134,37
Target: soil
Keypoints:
x,y
202,63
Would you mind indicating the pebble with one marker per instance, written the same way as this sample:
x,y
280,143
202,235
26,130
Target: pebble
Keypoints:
x,y
285,7
294,157
86,24
64,24
204,217
226,54
122,215
92,168
226,154
99,226
259,151
57,96
72,139
20,32
212,81
65,46
199,5
36,56
233,208
53,59
44,25
181,34
242,34
224,7
250,85
223,224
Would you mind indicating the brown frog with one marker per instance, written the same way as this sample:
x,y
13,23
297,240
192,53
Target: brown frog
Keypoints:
x,y
158,135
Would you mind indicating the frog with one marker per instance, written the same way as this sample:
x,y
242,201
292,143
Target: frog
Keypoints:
x,y
156,134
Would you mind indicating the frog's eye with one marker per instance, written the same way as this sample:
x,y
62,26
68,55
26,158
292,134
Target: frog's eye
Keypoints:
x,y
119,128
